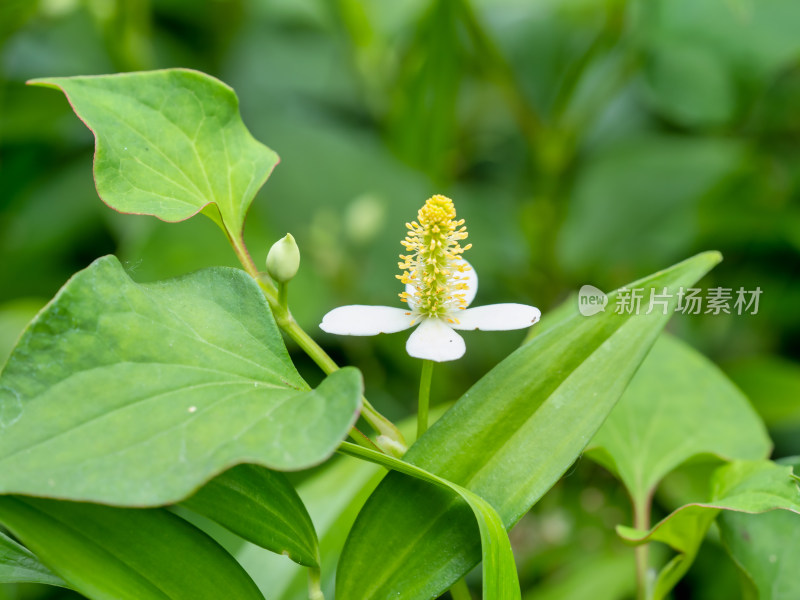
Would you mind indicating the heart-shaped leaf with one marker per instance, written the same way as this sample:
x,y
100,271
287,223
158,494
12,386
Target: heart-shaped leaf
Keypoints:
x,y
109,553
678,405
262,507
136,395
508,439
170,143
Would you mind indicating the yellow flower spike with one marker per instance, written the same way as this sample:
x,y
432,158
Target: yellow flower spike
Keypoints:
x,y
440,285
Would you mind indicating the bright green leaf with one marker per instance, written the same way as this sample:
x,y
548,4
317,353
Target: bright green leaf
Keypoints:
x,y
110,553
499,570
19,565
508,439
678,405
170,143
749,487
137,394
262,507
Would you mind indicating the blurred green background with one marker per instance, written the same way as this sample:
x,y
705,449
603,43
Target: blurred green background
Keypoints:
x,y
584,141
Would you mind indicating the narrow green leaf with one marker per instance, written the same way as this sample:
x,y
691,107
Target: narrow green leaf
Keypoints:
x,y
742,486
169,143
110,553
678,405
508,439
262,507
499,570
19,565
136,395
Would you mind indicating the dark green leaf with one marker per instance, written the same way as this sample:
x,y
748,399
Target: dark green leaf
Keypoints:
x,y
19,565
110,553
262,507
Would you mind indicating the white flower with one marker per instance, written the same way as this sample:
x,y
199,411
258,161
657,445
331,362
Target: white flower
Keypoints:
x,y
440,285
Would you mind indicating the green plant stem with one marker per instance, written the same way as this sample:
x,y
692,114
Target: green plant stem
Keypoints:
x,y
424,397
641,521
277,299
314,584
460,590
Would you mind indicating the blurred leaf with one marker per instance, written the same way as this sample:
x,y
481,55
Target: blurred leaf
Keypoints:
x,y
690,83
750,487
125,554
765,548
651,186
262,507
678,405
14,316
509,438
599,577
137,394
18,564
773,385
170,143
499,570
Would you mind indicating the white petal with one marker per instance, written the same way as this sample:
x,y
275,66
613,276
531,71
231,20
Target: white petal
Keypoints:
x,y
359,319
496,317
470,278
434,340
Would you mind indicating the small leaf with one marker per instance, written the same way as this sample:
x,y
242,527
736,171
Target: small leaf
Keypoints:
x,y
742,486
19,565
508,439
678,405
169,143
499,570
110,553
136,395
262,507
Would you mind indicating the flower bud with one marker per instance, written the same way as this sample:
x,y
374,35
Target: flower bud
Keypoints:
x,y
283,259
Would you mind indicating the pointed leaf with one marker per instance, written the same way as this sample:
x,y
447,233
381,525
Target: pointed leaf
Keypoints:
x,y
508,439
19,565
169,143
262,507
678,405
748,487
136,394
110,553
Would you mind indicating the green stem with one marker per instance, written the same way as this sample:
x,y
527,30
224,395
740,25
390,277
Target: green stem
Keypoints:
x,y
276,298
641,521
314,584
460,590
424,397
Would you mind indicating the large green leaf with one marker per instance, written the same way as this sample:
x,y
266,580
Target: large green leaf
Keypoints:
x,y
662,420
508,439
169,143
748,487
262,507
137,394
499,570
111,553
19,565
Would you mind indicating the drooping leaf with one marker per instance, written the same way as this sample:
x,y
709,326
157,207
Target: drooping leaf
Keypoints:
x,y
742,486
109,553
262,507
508,439
169,143
136,394
499,570
19,565
678,405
